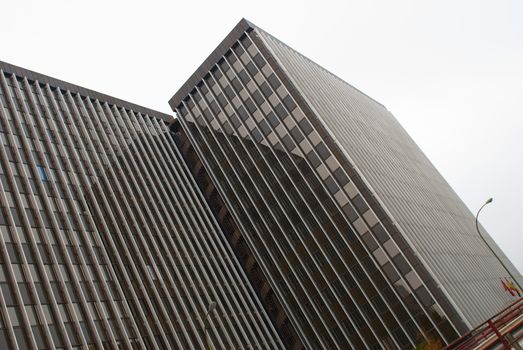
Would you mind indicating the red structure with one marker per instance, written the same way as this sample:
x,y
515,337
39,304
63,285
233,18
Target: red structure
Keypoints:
x,y
503,331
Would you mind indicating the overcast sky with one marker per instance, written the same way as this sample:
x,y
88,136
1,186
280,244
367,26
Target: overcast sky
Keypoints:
x,y
450,71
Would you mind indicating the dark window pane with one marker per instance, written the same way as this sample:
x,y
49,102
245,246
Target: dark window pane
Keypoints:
x,y
323,151
236,84
280,111
351,213
252,68
257,96
332,186
250,105
296,133
264,87
314,159
264,127
380,233
258,59
370,241
244,76
274,81
360,204
401,264
289,103
424,296
273,119
391,272
243,113
287,141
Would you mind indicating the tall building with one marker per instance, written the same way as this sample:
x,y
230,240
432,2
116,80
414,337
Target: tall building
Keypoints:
x,y
106,240
347,225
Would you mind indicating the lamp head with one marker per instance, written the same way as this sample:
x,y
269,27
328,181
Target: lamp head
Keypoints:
x,y
489,200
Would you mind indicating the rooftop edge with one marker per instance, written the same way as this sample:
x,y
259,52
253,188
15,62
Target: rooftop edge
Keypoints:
x,y
34,76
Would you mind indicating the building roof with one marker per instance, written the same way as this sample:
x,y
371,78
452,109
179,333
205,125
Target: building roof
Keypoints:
x,y
34,76
210,61
240,28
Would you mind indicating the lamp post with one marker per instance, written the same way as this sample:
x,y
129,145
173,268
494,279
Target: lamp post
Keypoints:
x,y
488,245
210,309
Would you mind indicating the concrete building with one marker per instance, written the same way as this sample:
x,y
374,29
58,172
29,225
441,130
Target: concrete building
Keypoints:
x,y
360,241
106,241
283,208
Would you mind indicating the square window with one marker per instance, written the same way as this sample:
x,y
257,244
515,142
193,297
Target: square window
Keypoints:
x,y
252,68
340,175
197,96
295,132
250,105
267,91
332,186
360,204
228,129
380,256
257,96
243,113
217,74
239,50
229,92
208,115
323,151
314,159
391,272
244,77
401,264
237,85
204,90
221,99
287,141
235,121
258,59
230,56
257,135
350,212
274,81
280,111
424,296
42,173
214,107
209,80
265,128
224,66
273,119
370,242
380,233
289,103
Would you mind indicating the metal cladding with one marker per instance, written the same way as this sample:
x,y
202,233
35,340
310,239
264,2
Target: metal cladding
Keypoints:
x,y
362,241
106,240
283,209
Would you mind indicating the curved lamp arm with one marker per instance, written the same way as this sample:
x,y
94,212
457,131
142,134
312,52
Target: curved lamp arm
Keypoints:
x,y
488,245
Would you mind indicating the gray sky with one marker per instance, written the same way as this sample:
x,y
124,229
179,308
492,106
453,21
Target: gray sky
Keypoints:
x,y
450,71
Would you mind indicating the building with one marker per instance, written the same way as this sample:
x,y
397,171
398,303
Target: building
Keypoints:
x,y
353,234
106,241
283,208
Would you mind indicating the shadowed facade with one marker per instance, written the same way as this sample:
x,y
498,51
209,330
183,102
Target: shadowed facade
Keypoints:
x,y
106,241
356,232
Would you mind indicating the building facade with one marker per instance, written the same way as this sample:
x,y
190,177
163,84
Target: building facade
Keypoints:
x,y
359,238
106,240
289,201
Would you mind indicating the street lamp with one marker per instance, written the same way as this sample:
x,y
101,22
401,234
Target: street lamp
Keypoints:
x,y
488,245
210,309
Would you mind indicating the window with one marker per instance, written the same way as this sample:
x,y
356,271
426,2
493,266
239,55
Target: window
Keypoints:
x,y
42,173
